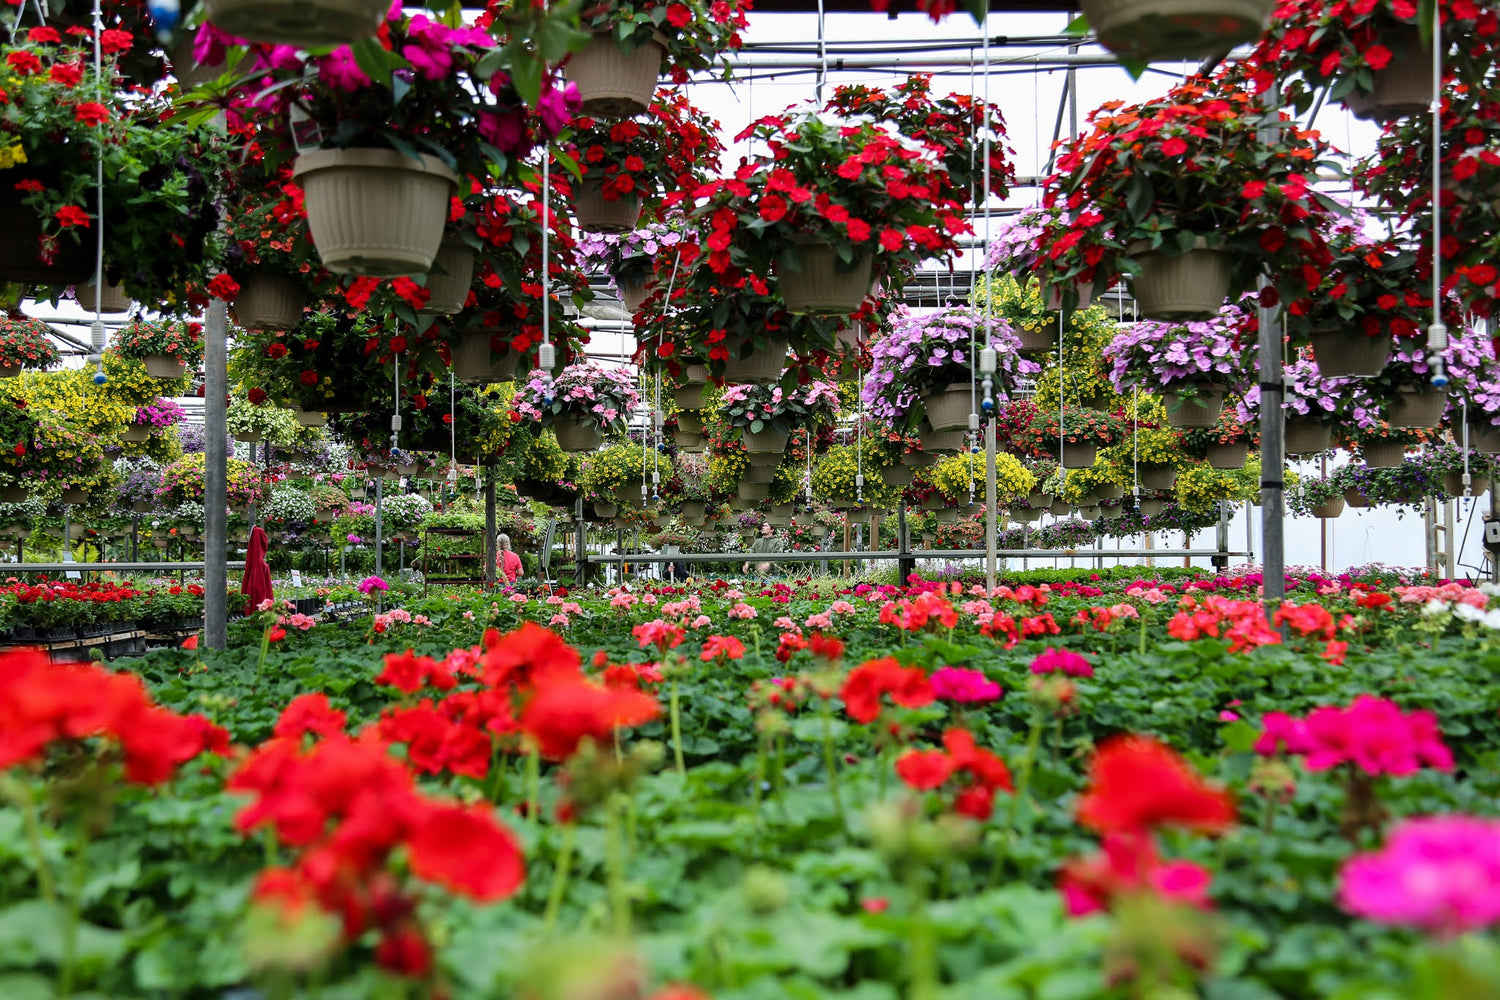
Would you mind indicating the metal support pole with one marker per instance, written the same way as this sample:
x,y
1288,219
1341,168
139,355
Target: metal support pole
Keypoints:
x,y
991,515
491,543
581,545
379,526
906,563
1221,537
215,476
1272,458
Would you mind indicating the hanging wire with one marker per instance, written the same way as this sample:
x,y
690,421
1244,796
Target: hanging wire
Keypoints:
x,y
546,354
96,329
1437,333
396,412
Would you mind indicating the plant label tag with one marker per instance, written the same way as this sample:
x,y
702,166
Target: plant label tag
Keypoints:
x,y
296,578
1492,535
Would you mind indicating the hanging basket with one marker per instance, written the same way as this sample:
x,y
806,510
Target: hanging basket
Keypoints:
x,y
1059,507
768,441
752,491
310,418
1085,298
475,360
939,443
1484,437
1200,410
634,287
375,212
1308,435
1156,30
949,408
1348,353
115,300
604,509
812,279
143,507
694,508
1026,515
1109,491
921,459
1150,506
695,375
760,473
611,82
1158,475
690,422
1453,482
688,397
1329,509
946,515
136,433
301,23
1404,87
688,441
1190,287
74,496
574,435
449,280
1079,456
1418,409
164,366
20,244
1382,454
14,494
1229,456
1354,498
762,367
269,301
898,475
597,214
249,437
1090,512
11,371
1043,341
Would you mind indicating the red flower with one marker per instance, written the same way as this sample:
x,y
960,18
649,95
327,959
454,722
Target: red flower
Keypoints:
x,y
222,286
868,682
466,850
679,15
191,642
725,647
24,63
66,74
309,713
524,657
256,396
1136,784
276,350
113,40
1129,863
43,35
72,215
308,377
567,709
91,113
924,770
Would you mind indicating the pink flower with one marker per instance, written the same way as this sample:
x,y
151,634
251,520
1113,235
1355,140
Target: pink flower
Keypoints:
x,y
1373,734
518,598
339,70
1129,864
743,611
701,621
1051,660
560,620
785,624
819,621
1438,873
1227,716
964,686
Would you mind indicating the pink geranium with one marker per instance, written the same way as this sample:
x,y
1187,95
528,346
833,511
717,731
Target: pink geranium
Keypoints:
x,y
1373,734
1065,661
1438,873
964,686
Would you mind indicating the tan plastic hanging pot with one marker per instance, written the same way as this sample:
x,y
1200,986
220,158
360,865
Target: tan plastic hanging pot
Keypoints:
x,y
812,279
269,301
1349,353
1158,475
574,435
303,23
762,366
136,433
1192,286
1199,410
1418,409
1382,454
164,366
1229,456
115,300
613,83
1079,456
765,442
1329,509
474,359
375,212
1043,341
1484,437
598,214
449,280
1308,435
1157,30
948,409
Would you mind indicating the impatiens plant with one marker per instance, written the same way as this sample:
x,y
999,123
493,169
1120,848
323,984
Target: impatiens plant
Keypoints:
x,y
1173,359
595,395
26,343
1193,168
758,407
694,34
924,353
170,338
668,154
1074,426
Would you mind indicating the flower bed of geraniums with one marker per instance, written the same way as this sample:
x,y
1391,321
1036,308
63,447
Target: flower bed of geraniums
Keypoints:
x,y
964,759
1189,239
25,343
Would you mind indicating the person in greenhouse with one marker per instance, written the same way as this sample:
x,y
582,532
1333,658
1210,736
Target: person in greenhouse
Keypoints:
x,y
507,561
767,542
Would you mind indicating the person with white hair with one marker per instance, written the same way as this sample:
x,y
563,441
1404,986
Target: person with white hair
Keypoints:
x,y
507,561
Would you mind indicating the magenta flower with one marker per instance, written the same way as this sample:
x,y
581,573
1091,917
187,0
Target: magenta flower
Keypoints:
x,y
339,70
1437,873
1061,660
370,584
1373,734
964,686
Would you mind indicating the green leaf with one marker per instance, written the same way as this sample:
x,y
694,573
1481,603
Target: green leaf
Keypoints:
x,y
526,75
1078,26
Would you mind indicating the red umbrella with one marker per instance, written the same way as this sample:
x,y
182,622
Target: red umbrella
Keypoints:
x,y
256,585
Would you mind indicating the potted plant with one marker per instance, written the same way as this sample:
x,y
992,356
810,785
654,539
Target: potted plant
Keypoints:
x,y
632,41
767,415
1378,444
636,262
270,255
1011,279
182,483
1188,238
1322,498
1190,364
836,205
1152,454
1226,445
379,157
165,347
25,343
613,477
252,418
1371,56
924,368
582,404
625,165
1076,434
1449,462
1143,31
155,416
1313,406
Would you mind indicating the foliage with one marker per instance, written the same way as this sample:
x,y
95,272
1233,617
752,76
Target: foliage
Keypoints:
x,y
672,151
693,33
271,422
26,343
596,396
170,338
182,482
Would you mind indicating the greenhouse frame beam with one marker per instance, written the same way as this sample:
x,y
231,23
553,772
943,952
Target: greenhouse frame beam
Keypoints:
x,y
897,554
902,61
